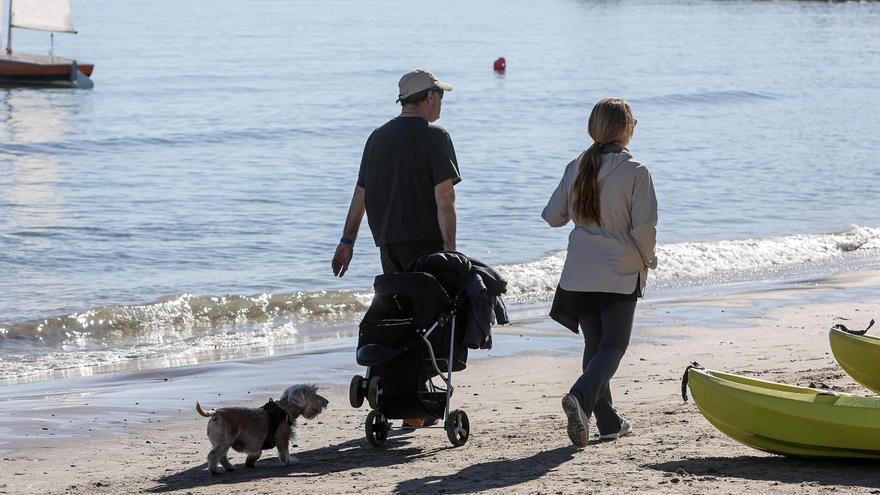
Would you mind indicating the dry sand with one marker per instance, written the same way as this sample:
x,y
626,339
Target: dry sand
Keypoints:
x,y
518,442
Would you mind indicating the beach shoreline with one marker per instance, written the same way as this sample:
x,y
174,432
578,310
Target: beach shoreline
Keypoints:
x,y
512,400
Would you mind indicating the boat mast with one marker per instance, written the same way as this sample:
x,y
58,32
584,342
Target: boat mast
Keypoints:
x,y
9,29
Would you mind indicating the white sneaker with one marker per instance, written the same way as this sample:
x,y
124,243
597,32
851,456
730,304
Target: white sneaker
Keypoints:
x,y
578,422
625,429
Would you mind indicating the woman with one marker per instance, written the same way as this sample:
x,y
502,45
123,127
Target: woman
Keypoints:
x,y
610,197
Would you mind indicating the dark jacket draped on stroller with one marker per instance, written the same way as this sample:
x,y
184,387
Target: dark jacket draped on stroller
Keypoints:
x,y
419,322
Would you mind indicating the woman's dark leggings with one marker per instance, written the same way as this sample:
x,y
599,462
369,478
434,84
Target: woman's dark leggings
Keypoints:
x,y
606,335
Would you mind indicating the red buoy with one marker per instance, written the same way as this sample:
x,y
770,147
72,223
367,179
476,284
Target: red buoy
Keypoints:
x,y
500,65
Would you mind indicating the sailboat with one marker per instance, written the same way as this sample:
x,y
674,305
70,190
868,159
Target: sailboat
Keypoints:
x,y
18,68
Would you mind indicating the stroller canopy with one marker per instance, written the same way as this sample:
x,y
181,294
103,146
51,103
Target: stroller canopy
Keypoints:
x,y
415,295
450,268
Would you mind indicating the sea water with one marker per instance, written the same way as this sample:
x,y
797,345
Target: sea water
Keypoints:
x,y
187,208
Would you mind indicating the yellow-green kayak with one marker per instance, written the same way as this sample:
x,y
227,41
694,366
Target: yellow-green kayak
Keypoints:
x,y
859,356
787,420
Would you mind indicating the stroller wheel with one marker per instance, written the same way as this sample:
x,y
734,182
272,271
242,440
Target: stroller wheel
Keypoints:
x,y
374,393
355,395
377,428
458,428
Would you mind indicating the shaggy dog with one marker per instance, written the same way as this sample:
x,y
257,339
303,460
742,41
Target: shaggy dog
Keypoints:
x,y
252,430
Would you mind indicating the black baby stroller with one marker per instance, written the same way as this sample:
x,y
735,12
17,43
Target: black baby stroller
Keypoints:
x,y
409,335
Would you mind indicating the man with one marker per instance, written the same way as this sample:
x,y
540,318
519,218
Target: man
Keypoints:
x,y
405,183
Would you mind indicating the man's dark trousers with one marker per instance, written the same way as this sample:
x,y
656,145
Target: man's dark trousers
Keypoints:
x,y
399,256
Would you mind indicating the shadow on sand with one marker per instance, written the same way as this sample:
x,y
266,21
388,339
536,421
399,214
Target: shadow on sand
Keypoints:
x,y
352,455
844,472
491,474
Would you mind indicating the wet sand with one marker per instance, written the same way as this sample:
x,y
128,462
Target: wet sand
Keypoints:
x,y
518,442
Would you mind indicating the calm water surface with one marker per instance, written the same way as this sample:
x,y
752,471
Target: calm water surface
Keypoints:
x,y
218,151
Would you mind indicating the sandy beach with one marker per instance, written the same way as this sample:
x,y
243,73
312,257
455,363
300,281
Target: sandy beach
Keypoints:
x,y
518,442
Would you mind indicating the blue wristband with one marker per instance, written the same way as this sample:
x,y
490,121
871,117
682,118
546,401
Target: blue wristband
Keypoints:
x,y
346,241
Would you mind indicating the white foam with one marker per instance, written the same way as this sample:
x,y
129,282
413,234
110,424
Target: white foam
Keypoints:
x,y
72,361
698,263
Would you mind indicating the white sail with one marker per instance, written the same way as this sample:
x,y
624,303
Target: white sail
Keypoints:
x,y
42,15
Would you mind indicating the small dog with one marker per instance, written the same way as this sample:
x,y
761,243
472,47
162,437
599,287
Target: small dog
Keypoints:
x,y
252,430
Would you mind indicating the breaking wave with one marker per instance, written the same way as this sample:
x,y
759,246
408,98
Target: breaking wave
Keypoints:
x,y
187,324
708,263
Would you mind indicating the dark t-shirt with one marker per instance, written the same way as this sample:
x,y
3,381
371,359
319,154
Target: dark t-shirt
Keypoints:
x,y
403,161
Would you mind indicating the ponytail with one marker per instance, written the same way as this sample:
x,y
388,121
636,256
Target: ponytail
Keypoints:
x,y
586,187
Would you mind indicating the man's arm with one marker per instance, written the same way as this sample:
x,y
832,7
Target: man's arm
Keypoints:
x,y
344,251
444,195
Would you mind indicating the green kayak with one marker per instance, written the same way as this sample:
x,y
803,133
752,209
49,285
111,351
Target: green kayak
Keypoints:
x,y
858,355
784,419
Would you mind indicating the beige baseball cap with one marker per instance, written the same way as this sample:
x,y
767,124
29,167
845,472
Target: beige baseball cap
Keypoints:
x,y
419,80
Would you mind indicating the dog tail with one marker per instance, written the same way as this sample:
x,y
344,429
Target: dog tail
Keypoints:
x,y
204,413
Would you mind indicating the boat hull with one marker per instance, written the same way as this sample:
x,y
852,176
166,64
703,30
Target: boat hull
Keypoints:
x,y
859,356
26,69
788,420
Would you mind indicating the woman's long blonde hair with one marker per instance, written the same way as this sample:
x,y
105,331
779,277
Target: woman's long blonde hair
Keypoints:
x,y
610,121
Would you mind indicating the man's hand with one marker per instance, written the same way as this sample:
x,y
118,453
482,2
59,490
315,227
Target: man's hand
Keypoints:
x,y
345,250
342,258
